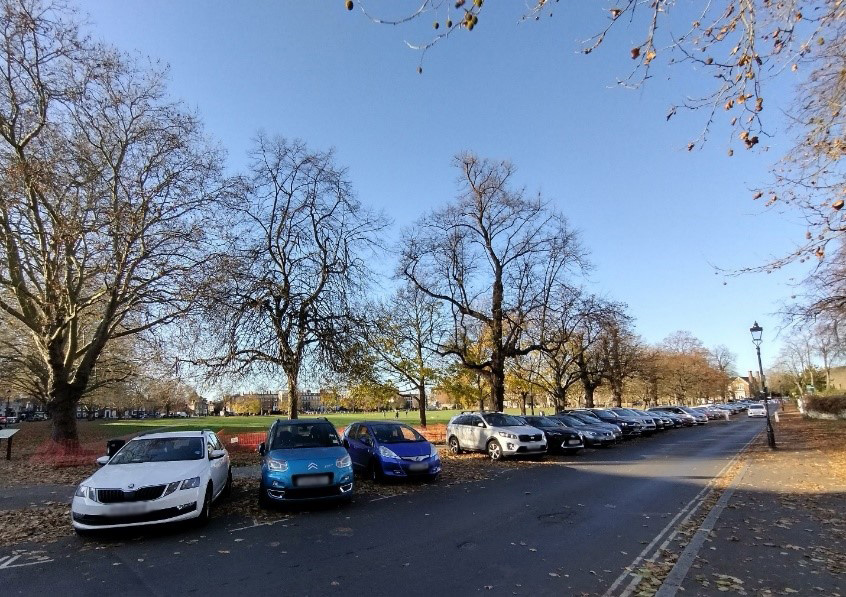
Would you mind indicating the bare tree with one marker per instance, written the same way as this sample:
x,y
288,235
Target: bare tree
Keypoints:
x,y
621,352
103,203
403,335
299,249
553,370
493,256
722,359
590,359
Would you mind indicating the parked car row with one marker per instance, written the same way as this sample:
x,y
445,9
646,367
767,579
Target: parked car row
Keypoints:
x,y
176,476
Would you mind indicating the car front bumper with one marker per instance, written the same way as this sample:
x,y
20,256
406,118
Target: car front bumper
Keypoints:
x,y
511,447
403,468
279,487
181,505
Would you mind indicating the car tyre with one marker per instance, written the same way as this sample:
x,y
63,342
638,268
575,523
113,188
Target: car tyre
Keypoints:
x,y
373,472
454,446
205,513
227,489
494,450
263,500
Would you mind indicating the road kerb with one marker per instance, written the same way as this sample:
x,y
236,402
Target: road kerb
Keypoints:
x,y
676,577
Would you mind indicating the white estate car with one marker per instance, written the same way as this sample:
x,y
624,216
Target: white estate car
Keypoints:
x,y
154,478
756,410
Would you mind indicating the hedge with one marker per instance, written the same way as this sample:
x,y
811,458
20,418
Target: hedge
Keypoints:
x,y
830,405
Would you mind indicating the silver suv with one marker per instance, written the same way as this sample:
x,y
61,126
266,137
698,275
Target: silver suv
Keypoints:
x,y
498,434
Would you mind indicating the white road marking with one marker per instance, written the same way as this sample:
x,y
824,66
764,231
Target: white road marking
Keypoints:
x,y
8,561
259,524
687,510
673,582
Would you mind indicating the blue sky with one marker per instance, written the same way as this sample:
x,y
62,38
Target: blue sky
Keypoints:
x,y
656,217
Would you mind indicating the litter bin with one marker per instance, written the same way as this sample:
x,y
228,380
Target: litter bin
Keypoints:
x,y
113,445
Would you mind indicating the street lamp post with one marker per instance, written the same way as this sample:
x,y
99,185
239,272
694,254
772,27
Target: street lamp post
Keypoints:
x,y
757,331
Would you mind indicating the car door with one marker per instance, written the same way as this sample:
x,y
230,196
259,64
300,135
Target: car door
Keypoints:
x,y
362,443
354,447
476,433
219,467
462,431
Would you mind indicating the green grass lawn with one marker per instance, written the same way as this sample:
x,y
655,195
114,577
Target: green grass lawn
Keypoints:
x,y
260,423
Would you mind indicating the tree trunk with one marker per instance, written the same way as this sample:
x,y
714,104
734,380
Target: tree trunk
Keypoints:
x,y
589,388
523,396
617,391
421,402
497,356
63,412
560,397
293,396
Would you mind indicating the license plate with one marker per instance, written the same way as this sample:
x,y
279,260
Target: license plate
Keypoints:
x,y
573,442
418,466
128,509
312,481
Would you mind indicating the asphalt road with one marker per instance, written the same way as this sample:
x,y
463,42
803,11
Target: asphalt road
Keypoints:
x,y
560,528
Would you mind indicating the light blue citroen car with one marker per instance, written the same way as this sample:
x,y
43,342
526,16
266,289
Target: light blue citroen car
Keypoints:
x,y
303,460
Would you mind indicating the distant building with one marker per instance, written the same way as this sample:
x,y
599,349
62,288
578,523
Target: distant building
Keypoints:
x,y
741,388
253,402
837,378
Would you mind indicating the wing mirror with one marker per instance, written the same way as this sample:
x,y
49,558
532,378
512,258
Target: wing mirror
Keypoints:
x,y
102,460
480,424
262,449
367,441
215,454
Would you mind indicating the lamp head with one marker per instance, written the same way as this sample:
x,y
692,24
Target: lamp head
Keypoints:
x,y
756,331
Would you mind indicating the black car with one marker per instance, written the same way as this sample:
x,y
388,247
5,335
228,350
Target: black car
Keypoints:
x,y
629,426
559,438
599,434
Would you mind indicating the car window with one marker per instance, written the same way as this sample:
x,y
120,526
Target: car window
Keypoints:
x,y
216,441
363,433
500,420
167,449
392,433
351,430
304,435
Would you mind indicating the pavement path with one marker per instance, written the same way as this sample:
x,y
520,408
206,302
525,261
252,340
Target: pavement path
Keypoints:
x,y
559,528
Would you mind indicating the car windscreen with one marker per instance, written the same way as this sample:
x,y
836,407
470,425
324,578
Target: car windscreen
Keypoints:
x,y
585,418
626,412
570,420
499,420
163,449
395,434
542,422
304,435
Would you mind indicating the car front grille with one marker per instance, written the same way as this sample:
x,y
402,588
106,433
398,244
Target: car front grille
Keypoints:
x,y
116,496
530,438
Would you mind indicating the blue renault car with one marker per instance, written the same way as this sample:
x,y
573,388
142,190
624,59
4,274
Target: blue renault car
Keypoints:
x,y
302,460
384,449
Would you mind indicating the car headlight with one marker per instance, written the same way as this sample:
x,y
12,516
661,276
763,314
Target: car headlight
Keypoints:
x,y
171,487
387,453
589,433
84,491
433,453
344,462
508,435
191,483
277,465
